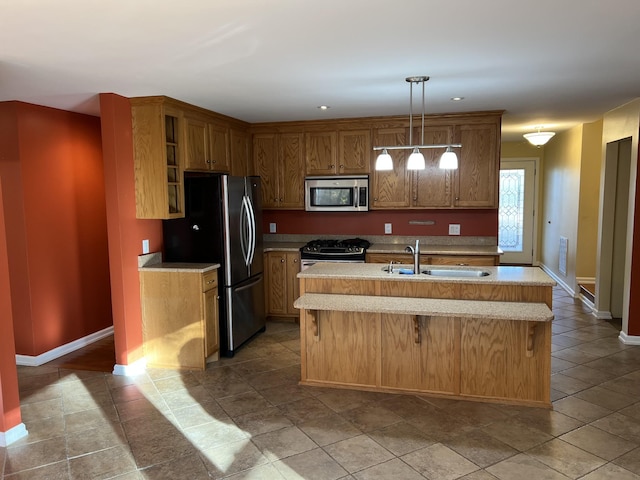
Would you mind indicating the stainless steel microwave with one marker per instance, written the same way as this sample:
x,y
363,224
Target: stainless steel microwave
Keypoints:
x,y
336,194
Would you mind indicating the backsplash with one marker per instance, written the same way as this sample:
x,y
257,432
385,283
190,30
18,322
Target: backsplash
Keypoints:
x,y
473,223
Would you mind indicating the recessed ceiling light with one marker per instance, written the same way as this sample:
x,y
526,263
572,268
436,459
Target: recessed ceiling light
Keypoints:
x,y
457,99
324,107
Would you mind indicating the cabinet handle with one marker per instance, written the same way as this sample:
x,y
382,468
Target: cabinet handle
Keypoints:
x,y
210,282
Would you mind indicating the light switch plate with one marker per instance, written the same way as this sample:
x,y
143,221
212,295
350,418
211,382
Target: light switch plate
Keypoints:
x,y
272,228
387,228
145,247
454,229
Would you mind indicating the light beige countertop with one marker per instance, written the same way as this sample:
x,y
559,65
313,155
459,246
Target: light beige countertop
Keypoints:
x,y
532,276
530,312
181,267
283,246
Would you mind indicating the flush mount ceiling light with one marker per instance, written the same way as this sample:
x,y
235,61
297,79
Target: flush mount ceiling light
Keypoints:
x,y
449,159
539,138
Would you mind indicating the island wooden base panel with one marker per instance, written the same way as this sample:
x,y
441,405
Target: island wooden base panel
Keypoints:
x,y
480,359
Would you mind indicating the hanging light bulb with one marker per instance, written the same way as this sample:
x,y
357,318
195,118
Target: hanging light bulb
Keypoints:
x,y
384,162
449,160
416,160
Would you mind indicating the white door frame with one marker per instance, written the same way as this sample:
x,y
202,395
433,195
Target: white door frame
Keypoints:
x,y
536,198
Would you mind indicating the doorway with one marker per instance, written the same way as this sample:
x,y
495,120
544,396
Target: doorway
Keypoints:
x,y
612,267
516,213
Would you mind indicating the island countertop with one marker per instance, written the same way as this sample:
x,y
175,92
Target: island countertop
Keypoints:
x,y
531,276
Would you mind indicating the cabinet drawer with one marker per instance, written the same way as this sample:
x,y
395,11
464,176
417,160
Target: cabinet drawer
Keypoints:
x,y
209,280
477,260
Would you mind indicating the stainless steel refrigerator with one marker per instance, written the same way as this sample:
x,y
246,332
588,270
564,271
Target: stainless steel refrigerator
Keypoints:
x,y
223,224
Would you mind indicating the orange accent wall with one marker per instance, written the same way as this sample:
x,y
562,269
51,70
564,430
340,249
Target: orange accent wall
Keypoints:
x,y
56,229
9,398
126,232
472,222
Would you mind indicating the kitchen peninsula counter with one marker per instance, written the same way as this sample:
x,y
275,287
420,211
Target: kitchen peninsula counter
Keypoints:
x,y
482,338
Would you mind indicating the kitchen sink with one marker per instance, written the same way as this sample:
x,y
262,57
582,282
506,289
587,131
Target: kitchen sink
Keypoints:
x,y
442,272
399,270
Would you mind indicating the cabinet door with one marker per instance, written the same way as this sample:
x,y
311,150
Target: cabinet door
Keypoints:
x,y
197,144
265,157
239,153
291,171
212,340
219,148
432,186
477,174
276,283
293,284
354,152
391,189
479,260
321,153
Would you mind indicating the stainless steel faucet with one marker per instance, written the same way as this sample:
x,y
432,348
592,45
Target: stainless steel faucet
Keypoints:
x,y
415,251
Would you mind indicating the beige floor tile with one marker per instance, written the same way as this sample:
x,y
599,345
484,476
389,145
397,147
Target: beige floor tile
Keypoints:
x,y
479,475
439,461
243,403
41,430
285,394
621,425
53,471
565,458
94,439
32,455
598,442
329,429
283,443
103,464
632,411
401,438
358,453
200,413
392,469
232,457
611,472
574,356
264,421
213,434
549,421
568,385
262,472
524,467
481,448
588,375
517,434
371,417
305,410
630,461
316,464
606,398
579,409
340,400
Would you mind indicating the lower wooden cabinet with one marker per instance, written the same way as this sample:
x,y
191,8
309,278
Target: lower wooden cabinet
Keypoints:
x,y
281,283
179,317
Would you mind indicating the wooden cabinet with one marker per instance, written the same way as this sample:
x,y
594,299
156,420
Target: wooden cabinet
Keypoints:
x,y
240,152
179,317
428,259
278,160
473,185
158,164
281,283
341,152
207,144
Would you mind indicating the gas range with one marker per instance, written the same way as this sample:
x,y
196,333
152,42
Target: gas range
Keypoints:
x,y
325,250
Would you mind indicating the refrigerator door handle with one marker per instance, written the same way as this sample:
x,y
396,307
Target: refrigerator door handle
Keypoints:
x,y
245,236
252,230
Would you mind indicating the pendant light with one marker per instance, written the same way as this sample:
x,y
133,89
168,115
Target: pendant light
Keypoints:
x,y
449,159
539,138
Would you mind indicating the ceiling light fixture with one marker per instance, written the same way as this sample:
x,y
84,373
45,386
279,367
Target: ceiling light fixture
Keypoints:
x,y
416,160
539,138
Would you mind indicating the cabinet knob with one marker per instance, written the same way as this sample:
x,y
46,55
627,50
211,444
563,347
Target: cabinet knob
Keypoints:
x,y
210,282
341,167
282,260
331,166
207,161
295,260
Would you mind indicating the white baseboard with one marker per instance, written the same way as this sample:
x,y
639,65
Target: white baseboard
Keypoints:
x,y
13,434
31,361
558,280
131,370
580,280
629,339
602,314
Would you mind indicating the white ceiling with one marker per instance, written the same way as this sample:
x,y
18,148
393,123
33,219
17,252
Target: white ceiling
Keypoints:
x,y
555,63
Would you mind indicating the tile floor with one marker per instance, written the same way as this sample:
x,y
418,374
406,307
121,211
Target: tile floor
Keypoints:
x,y
246,418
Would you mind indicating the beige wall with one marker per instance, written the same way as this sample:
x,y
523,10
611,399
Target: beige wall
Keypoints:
x,y
587,242
560,201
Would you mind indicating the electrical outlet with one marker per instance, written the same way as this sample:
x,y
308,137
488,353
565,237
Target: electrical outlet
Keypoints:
x,y
454,229
387,228
145,247
272,228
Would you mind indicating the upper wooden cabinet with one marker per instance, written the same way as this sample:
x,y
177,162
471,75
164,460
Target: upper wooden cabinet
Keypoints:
x,y
278,160
338,152
158,163
473,185
240,152
206,145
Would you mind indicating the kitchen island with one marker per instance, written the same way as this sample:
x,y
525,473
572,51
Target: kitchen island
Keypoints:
x,y
485,338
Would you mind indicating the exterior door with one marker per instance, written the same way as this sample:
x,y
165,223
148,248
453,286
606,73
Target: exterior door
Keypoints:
x,y
516,211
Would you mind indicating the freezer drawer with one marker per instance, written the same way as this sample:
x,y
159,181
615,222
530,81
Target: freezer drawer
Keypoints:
x,y
245,315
